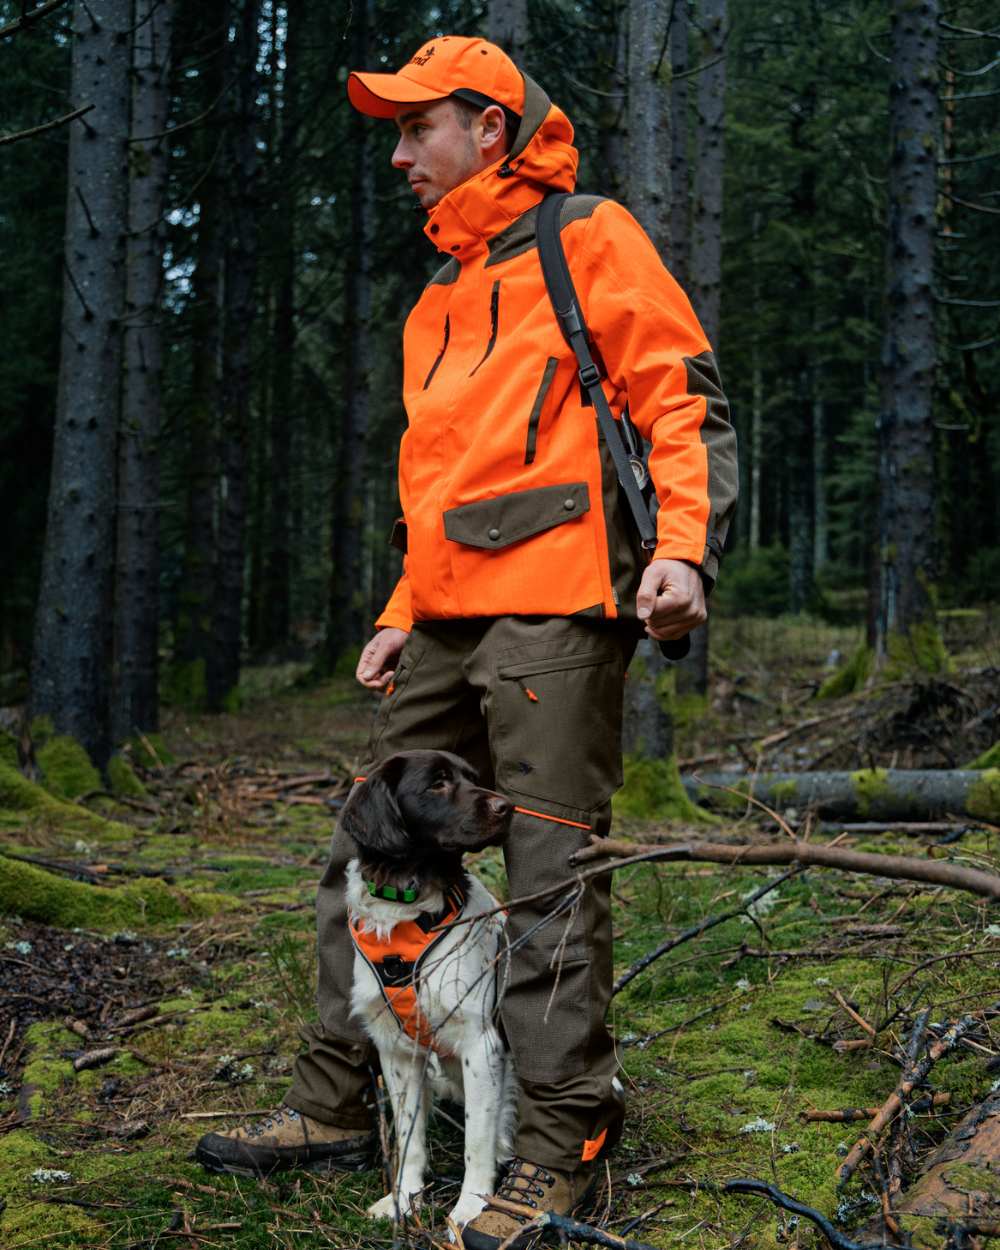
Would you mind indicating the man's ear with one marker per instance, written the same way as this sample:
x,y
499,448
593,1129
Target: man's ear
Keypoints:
x,y
493,129
371,815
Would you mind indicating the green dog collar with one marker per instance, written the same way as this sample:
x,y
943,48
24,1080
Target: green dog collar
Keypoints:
x,y
407,894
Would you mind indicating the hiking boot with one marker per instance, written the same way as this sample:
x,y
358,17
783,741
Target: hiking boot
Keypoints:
x,y
526,1190
286,1139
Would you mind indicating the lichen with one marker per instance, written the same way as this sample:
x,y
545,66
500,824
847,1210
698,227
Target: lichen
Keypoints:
x,y
67,768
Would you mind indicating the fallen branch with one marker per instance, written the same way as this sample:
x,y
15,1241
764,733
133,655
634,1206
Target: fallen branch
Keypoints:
x,y
880,794
568,1230
917,1073
846,1115
764,1190
902,867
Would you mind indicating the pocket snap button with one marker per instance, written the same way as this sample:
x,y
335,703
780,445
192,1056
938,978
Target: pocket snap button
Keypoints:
x,y
494,534
569,504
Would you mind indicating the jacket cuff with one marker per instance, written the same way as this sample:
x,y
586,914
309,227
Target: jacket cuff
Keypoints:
x,y
394,620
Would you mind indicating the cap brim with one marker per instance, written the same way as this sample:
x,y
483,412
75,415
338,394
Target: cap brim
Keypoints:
x,y
379,95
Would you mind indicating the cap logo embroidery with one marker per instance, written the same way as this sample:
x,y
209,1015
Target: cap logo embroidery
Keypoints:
x,y
422,60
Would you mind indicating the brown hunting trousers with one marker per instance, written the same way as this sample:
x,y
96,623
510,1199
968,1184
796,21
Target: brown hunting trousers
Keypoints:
x,y
535,703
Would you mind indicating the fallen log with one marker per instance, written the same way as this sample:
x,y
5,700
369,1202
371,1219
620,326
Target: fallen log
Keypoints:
x,y
871,794
900,867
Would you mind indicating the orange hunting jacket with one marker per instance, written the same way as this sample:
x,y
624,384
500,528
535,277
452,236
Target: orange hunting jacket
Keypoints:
x,y
509,496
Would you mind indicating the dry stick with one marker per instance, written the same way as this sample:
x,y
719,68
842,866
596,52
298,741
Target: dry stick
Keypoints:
x,y
845,1115
900,1127
859,1020
902,867
894,1103
564,1226
642,964
764,1190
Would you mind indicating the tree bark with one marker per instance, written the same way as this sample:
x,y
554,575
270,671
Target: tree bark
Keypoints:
x,y
137,587
649,732
193,640
239,309
679,244
74,622
706,242
906,429
507,25
879,794
347,624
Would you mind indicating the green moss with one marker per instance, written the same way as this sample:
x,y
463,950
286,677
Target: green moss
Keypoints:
x,y
185,686
920,649
870,786
653,790
150,751
38,895
66,768
8,749
783,794
689,711
973,1179
984,796
123,779
989,758
726,800
232,700
850,677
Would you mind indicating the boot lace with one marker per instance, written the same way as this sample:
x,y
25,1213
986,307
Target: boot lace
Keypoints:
x,y
524,1182
272,1121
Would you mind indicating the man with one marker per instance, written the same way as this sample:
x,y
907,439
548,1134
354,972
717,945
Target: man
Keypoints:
x,y
524,591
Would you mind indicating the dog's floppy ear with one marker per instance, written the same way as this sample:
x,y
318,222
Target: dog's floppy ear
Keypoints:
x,y
371,815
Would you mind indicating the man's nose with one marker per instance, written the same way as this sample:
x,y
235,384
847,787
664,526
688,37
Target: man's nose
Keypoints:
x,y
400,157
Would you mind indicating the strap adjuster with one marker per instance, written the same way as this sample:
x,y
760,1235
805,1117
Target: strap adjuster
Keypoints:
x,y
590,375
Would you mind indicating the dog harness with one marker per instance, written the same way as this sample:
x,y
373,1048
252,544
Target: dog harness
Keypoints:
x,y
396,962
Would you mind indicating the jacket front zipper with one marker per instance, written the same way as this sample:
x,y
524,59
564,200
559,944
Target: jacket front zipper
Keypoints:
x,y
536,408
440,355
494,323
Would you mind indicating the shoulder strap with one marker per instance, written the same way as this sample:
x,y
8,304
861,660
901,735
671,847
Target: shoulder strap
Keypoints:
x,y
569,314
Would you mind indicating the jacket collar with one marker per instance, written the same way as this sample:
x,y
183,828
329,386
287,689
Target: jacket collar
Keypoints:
x,y
542,159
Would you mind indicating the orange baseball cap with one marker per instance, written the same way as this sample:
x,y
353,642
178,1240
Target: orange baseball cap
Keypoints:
x,y
442,67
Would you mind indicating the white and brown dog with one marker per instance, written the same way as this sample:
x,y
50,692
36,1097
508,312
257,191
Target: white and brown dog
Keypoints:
x,y
425,987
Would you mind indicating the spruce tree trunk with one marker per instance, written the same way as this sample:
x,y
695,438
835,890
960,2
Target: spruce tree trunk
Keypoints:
x,y
277,540
679,242
706,241
348,626
71,661
648,723
614,107
906,430
507,25
136,703
238,316
193,635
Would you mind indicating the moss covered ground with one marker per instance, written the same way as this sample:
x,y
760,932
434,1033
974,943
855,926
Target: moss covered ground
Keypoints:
x,y
724,1043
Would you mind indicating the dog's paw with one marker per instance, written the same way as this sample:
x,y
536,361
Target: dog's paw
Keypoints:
x,y
386,1208
466,1208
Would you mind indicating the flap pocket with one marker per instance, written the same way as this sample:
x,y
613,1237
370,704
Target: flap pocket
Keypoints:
x,y
507,519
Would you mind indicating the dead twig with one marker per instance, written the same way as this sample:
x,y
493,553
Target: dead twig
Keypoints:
x,y
902,867
846,1115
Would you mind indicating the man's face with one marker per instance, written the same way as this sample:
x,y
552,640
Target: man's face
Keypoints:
x,y
435,151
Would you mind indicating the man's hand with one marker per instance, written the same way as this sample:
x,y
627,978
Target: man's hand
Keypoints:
x,y
671,599
377,665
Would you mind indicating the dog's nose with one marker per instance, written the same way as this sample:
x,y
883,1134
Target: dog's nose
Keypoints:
x,y
498,805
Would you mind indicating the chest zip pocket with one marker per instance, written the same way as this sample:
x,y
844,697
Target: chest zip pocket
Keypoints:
x,y
494,324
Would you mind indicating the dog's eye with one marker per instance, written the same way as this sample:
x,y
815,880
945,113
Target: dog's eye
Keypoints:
x,y
440,782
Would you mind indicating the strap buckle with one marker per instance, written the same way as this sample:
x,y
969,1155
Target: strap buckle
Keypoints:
x,y
590,375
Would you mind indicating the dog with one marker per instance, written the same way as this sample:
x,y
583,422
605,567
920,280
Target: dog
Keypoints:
x,y
425,988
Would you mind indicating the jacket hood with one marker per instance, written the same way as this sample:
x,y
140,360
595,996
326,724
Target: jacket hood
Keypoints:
x,y
543,159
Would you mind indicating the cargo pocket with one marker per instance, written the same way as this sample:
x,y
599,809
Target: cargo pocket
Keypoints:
x,y
557,732
409,658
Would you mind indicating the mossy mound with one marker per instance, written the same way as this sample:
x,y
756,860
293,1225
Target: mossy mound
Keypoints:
x,y
8,749
920,650
21,799
123,780
653,790
67,768
984,797
38,895
149,751
989,758
850,676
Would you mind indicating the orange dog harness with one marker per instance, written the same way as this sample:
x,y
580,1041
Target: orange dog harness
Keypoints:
x,y
396,962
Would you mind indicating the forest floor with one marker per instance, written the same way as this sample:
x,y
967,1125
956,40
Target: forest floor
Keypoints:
x,y
185,949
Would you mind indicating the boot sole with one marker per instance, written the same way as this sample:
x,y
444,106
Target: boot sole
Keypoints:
x,y
260,1163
